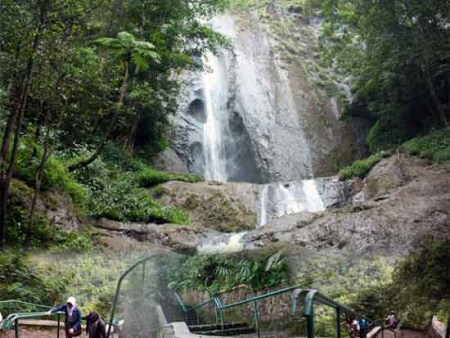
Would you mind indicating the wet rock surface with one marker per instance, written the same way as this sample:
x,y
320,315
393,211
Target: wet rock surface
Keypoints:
x,y
402,200
280,123
181,238
222,207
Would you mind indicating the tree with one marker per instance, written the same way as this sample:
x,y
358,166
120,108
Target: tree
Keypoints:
x,y
128,52
401,76
69,89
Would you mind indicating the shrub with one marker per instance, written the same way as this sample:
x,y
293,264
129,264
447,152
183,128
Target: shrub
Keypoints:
x,y
56,175
435,146
362,167
115,194
44,234
148,177
20,279
215,273
420,286
168,214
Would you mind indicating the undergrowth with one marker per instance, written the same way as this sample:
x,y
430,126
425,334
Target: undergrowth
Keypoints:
x,y
116,186
44,234
434,146
361,168
215,273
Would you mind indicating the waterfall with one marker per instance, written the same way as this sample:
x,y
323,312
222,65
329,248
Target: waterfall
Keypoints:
x,y
279,199
215,91
226,243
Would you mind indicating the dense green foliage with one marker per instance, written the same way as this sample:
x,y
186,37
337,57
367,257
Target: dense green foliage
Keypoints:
x,y
435,146
48,279
396,53
79,76
56,177
361,168
21,279
45,235
419,288
116,184
215,273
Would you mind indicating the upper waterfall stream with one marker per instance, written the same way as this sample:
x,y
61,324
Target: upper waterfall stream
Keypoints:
x,y
215,91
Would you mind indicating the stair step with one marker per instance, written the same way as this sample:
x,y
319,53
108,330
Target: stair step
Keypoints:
x,y
229,332
213,327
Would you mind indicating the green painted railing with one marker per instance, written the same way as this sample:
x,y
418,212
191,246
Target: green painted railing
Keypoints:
x,y
8,303
447,334
12,320
308,296
119,285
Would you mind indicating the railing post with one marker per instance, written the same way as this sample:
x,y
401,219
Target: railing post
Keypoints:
x,y
16,328
338,322
256,318
221,319
143,274
310,323
59,325
217,313
447,334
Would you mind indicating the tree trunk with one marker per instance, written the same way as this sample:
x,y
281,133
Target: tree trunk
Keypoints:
x,y
38,178
16,124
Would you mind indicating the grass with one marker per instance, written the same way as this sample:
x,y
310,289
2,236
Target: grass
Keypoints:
x,y
362,167
434,146
148,177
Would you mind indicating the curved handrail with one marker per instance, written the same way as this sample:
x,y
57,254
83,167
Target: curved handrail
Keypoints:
x,y
13,319
119,284
9,301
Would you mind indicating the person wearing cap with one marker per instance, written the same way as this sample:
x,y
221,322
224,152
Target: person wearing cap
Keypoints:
x,y
392,320
73,317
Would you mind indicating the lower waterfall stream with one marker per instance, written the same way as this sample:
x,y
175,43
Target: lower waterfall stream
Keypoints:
x,y
274,200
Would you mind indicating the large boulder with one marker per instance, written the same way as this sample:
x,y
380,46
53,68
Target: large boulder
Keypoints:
x,y
222,207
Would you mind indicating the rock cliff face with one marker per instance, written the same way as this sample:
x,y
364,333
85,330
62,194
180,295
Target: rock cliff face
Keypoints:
x,y
223,207
278,122
233,207
402,200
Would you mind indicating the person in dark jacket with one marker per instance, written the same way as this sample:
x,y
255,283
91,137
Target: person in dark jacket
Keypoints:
x,y
73,317
95,326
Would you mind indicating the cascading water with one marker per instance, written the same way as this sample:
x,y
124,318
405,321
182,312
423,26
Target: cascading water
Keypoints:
x,y
279,199
215,91
226,243
246,106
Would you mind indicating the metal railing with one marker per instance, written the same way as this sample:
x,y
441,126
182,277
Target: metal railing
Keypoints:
x,y
447,334
308,296
119,285
12,320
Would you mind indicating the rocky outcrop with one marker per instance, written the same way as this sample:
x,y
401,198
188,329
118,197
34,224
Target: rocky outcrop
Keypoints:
x,y
222,207
236,207
282,112
402,200
180,238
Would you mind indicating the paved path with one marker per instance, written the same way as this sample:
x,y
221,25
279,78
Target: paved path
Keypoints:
x,y
28,332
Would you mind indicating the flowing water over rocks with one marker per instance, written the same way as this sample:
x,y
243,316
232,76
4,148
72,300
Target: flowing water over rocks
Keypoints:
x,y
259,114
402,200
279,199
253,115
